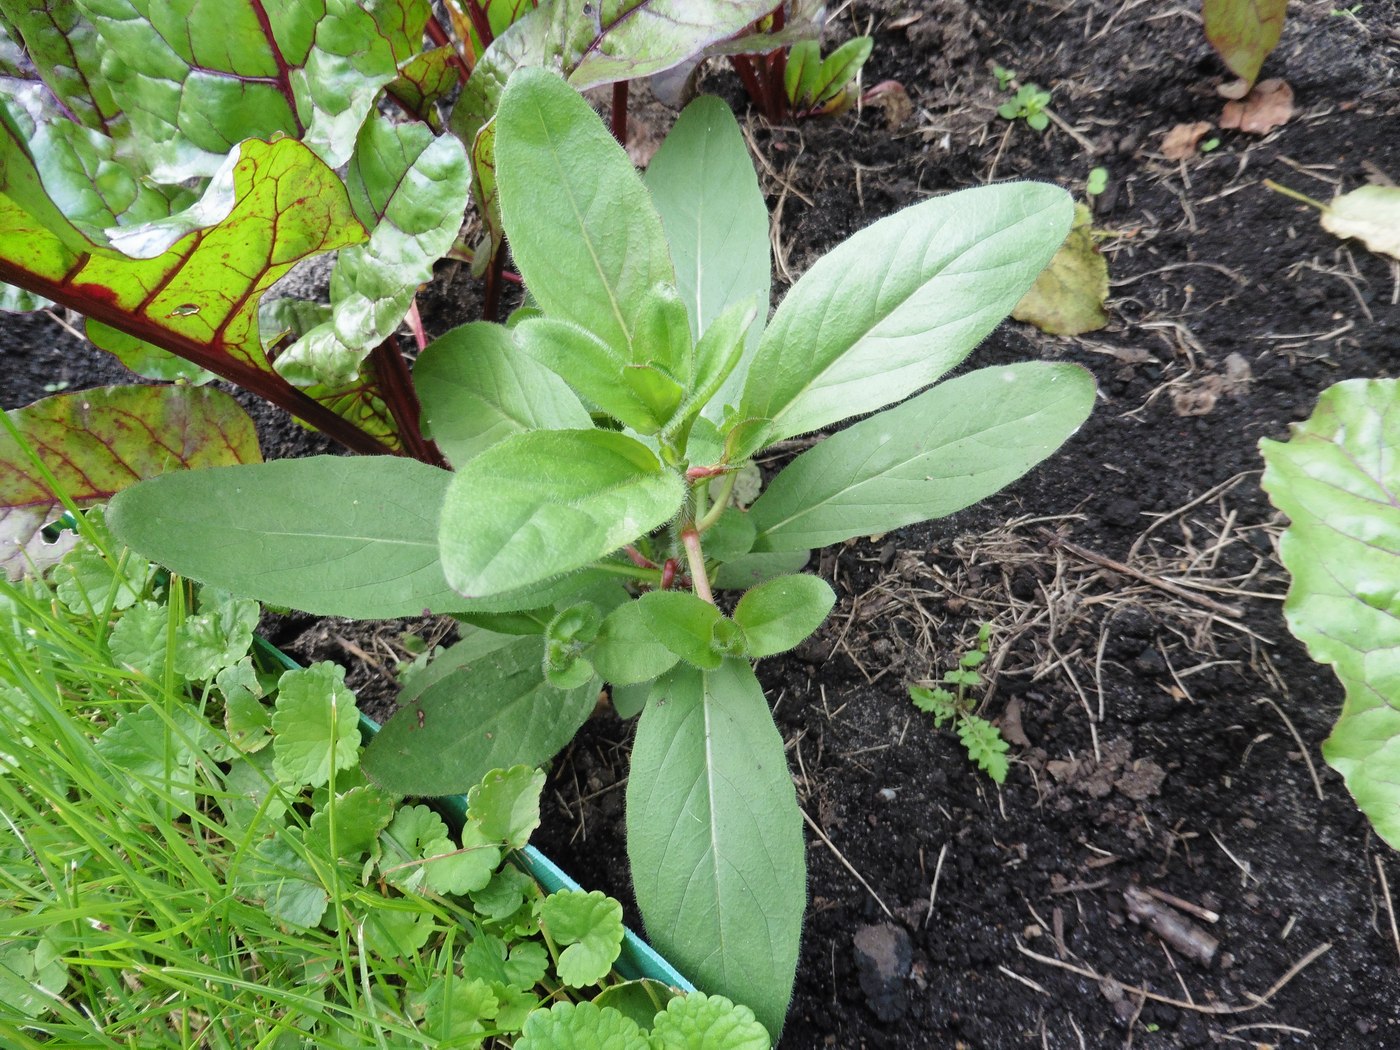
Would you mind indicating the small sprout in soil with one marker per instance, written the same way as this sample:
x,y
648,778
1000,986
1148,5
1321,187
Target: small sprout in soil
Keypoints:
x,y
1004,77
982,740
1029,104
1097,182
1210,145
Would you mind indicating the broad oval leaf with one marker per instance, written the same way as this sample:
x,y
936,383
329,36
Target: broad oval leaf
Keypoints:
x,y
492,712
1338,480
97,442
477,388
582,227
684,624
781,613
333,535
540,504
706,191
626,651
935,454
1243,32
714,836
894,307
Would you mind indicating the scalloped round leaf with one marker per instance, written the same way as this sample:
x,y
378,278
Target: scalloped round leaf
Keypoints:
x,y
707,1022
581,1026
506,804
316,724
591,925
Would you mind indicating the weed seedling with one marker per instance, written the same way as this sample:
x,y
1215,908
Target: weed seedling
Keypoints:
x,y
951,702
1097,182
1028,104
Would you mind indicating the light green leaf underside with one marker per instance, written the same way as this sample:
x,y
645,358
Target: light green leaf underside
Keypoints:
x,y
543,503
897,305
935,454
715,838
1338,480
493,712
335,536
477,388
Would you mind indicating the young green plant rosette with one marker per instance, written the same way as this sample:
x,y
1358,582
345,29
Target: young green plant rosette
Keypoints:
x,y
602,491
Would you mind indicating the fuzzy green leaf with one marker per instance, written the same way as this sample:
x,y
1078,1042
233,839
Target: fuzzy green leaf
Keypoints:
x,y
581,225
316,725
356,819
285,882
97,442
492,712
626,650
1338,480
684,624
937,453
477,389
334,535
714,836
581,1026
506,804
894,307
543,503
782,613
706,191
707,1022
591,925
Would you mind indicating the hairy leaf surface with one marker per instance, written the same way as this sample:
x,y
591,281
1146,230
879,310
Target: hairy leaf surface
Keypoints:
x,y
334,535
715,837
894,307
1338,480
935,454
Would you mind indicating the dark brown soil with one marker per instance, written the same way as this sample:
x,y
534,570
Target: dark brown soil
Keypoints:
x,y
1166,725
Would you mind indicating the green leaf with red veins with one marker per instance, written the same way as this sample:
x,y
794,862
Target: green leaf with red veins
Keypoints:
x,y
1243,32
67,55
195,285
425,80
195,85
97,442
410,189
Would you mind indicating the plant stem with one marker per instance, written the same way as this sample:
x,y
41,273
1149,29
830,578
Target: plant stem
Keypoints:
x,y
695,557
438,35
491,299
634,572
726,488
1301,197
619,112
396,387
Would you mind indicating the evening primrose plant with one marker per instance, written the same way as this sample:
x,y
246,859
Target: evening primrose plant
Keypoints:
x,y
591,530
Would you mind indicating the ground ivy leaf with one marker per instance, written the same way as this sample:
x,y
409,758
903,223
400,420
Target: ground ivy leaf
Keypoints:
x,y
456,1010
1338,480
639,999
707,1022
544,503
405,837
506,805
97,442
215,637
159,756
581,1026
316,725
504,895
287,885
394,933
591,925
249,783
247,720
357,818
139,638
782,613
1068,296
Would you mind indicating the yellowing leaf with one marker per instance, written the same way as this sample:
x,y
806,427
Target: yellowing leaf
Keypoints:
x,y
1067,298
1371,215
1243,32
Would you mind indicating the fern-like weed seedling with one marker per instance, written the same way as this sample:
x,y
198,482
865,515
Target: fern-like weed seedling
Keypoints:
x,y
951,702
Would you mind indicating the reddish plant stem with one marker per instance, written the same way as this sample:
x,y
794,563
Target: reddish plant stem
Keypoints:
x,y
668,574
690,539
638,559
619,112
777,68
748,76
491,297
396,387
265,383
438,35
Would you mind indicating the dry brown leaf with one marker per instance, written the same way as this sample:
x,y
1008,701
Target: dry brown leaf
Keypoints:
x,y
1182,140
1199,398
890,96
1268,106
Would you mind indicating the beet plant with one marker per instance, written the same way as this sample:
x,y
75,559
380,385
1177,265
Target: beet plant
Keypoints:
x,y
592,522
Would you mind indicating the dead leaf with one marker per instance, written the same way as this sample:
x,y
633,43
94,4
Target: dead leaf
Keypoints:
x,y
1268,106
1182,140
1199,398
1067,298
1238,375
1011,728
890,96
1371,215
